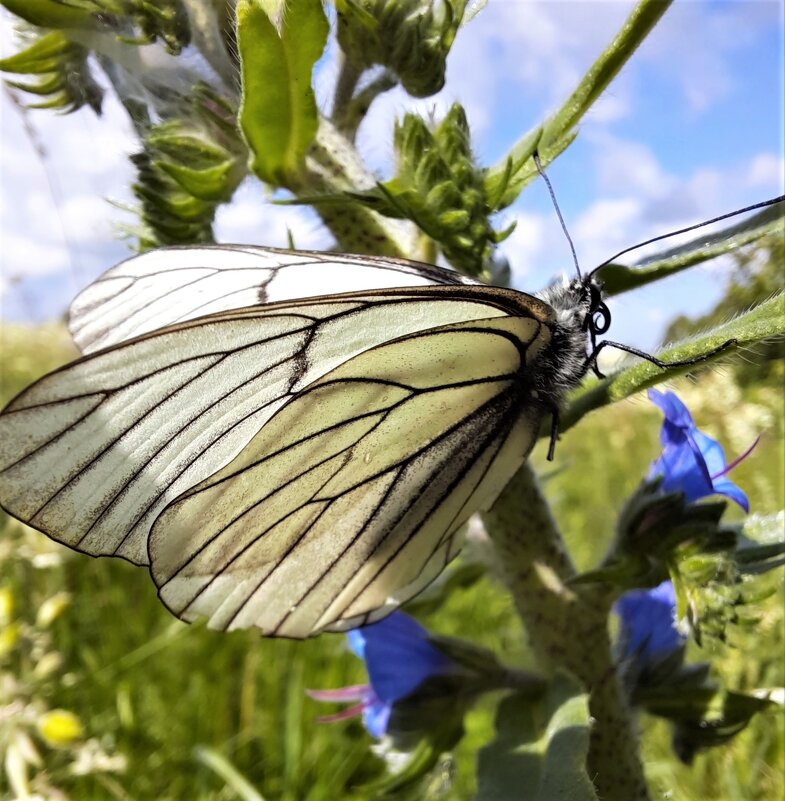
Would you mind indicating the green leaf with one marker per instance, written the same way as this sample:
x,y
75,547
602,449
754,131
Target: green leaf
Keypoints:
x,y
704,717
278,115
234,779
61,70
506,180
540,749
618,278
51,14
763,322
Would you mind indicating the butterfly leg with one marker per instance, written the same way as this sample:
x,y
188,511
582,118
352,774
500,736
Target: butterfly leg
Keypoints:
x,y
554,410
591,360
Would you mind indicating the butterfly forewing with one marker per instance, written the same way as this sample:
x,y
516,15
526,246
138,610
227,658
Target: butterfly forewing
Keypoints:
x,y
93,453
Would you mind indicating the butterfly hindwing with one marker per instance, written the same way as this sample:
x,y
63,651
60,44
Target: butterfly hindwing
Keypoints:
x,y
350,499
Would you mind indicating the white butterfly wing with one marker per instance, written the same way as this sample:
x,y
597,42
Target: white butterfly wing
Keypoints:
x,y
351,498
172,285
296,466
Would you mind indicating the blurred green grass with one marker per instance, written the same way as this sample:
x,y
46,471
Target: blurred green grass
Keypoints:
x,y
155,689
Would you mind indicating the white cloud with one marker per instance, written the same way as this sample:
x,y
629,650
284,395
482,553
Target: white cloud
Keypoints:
x,y
25,257
612,106
252,219
524,247
695,42
55,171
767,170
627,166
604,227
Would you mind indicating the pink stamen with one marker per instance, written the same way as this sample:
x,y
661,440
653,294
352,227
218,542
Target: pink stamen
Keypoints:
x,y
349,712
357,692
738,459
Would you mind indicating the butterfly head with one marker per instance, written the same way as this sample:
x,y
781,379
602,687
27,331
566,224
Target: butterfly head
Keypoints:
x,y
581,316
579,305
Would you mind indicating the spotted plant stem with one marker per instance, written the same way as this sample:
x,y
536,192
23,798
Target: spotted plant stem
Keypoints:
x,y
568,629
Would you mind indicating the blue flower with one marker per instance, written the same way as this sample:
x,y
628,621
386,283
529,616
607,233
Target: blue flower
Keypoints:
x,y
399,658
692,462
648,624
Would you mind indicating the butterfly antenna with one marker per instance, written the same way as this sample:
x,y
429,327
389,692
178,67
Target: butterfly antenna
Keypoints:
x,y
754,206
538,165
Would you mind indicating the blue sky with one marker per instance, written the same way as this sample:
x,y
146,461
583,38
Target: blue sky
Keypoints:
x,y
692,127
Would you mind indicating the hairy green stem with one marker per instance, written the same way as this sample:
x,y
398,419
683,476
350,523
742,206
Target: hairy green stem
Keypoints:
x,y
354,112
567,627
333,166
348,76
207,22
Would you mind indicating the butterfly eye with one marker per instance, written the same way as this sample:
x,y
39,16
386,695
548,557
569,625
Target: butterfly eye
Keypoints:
x,y
601,319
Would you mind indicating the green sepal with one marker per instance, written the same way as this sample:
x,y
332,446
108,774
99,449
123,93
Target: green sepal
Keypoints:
x,y
162,19
656,530
213,183
149,21
200,166
52,14
278,114
618,278
540,749
187,167
713,595
409,37
44,55
765,321
62,70
440,189
703,717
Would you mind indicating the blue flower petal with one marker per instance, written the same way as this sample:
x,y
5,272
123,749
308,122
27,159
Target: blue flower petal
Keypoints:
x,y
724,486
356,642
682,472
376,716
691,461
399,656
648,629
711,451
673,408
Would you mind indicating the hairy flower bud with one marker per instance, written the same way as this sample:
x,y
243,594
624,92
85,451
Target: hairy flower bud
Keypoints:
x,y
410,37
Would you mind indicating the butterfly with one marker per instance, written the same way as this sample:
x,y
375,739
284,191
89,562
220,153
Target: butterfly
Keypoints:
x,y
289,440
281,458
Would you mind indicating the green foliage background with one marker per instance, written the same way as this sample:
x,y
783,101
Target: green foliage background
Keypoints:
x,y
152,688
159,692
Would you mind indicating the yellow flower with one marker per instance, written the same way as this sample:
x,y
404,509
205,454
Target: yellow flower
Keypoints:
x,y
6,606
59,727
